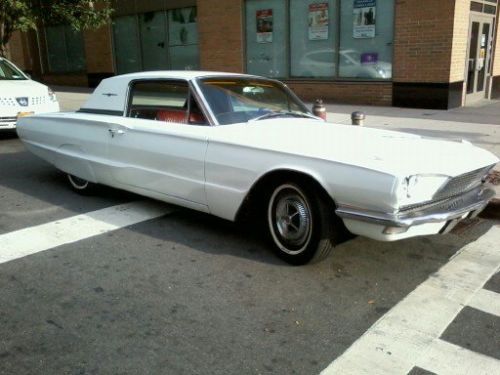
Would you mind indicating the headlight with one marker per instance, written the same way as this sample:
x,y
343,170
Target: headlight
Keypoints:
x,y
420,188
52,95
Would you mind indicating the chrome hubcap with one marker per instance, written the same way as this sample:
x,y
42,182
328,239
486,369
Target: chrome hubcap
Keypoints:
x,y
293,219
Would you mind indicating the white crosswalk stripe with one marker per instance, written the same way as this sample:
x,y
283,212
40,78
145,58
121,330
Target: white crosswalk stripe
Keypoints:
x,y
35,239
487,301
444,358
405,334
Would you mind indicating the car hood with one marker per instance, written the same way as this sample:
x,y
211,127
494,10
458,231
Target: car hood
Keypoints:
x,y
395,153
22,88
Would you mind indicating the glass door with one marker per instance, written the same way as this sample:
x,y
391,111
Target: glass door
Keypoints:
x,y
478,57
153,27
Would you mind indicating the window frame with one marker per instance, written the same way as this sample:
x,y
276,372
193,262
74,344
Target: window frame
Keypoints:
x,y
191,94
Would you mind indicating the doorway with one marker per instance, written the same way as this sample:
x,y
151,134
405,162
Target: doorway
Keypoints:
x,y
479,57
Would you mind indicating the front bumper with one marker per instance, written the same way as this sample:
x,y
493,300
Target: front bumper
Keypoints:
x,y
435,217
8,122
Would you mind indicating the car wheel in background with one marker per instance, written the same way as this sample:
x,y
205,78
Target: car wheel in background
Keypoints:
x,y
301,223
81,186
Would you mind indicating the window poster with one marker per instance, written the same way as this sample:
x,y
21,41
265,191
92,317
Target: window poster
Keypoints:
x,y
364,18
369,58
265,26
318,21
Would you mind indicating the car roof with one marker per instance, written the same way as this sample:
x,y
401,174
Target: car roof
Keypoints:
x,y
181,74
110,95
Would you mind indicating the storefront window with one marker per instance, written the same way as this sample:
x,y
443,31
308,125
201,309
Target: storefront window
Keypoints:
x,y
183,38
266,38
312,38
65,50
127,50
156,41
153,38
366,35
322,39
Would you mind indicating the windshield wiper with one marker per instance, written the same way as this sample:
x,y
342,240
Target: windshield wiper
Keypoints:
x,y
283,113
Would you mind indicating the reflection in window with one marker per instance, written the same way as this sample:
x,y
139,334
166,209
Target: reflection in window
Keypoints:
x,y
266,38
366,34
312,38
320,38
240,100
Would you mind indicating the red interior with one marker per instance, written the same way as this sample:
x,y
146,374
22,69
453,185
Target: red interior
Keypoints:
x,y
178,116
171,116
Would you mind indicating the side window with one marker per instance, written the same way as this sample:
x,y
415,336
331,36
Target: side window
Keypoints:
x,y
166,101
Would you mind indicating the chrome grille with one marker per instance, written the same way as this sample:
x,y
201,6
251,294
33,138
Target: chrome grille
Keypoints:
x,y
5,121
455,187
461,184
443,204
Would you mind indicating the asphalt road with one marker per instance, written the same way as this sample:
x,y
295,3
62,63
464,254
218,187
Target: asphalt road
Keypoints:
x,y
187,293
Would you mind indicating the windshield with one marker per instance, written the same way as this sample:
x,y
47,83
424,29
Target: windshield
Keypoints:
x,y
9,71
235,100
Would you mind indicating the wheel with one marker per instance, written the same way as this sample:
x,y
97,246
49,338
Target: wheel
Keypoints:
x,y
301,223
81,186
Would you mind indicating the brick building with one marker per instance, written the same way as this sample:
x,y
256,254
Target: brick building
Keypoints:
x,y
416,53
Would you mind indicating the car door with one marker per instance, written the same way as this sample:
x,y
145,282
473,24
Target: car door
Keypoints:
x,y
156,150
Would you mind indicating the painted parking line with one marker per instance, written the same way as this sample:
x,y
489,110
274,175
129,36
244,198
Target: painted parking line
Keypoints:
x,y
486,301
32,240
402,337
444,358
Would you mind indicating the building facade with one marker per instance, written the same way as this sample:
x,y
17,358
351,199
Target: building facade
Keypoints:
x,y
411,53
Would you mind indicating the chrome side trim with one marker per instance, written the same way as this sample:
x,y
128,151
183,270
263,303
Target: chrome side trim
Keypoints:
x,y
474,200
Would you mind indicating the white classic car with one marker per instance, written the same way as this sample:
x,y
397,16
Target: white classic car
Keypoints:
x,y
230,144
21,96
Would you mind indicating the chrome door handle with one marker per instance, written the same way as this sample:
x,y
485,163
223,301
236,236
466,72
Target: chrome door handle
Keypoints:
x,y
114,132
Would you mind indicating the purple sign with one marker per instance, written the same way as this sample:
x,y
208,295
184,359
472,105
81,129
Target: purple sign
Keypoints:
x,y
369,58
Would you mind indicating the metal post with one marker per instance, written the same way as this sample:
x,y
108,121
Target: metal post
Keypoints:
x,y
319,109
358,118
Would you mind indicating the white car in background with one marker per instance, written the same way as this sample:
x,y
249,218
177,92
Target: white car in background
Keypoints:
x,y
21,96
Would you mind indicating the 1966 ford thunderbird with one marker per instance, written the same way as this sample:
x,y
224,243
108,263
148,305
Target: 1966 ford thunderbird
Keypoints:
x,y
228,144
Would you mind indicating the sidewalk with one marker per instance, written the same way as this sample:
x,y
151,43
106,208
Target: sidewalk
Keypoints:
x,y
479,124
